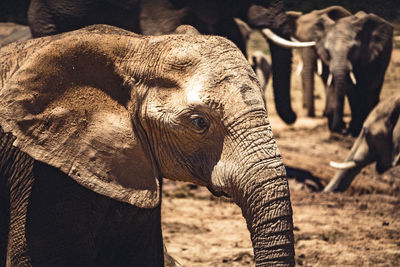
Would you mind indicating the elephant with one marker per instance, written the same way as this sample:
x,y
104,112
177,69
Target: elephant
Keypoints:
x,y
257,59
12,32
259,62
303,30
353,53
156,17
93,120
378,141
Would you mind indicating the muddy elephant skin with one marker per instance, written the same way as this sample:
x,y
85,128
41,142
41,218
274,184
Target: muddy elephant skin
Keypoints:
x,y
155,17
92,120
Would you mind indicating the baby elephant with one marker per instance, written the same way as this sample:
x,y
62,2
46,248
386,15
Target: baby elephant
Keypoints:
x,y
378,141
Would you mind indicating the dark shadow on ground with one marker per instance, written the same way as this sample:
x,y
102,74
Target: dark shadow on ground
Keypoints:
x,y
305,177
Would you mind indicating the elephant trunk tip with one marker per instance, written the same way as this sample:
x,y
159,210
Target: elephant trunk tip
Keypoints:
x,y
289,118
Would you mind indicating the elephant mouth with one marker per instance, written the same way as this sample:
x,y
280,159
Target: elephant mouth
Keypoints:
x,y
217,193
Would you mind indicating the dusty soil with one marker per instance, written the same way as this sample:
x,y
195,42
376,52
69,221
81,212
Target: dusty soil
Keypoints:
x,y
360,227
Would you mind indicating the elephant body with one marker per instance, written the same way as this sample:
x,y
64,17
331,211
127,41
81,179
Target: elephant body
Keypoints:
x,y
354,53
54,221
92,120
379,141
155,17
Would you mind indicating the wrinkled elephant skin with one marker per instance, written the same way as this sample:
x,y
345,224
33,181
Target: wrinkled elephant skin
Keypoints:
x,y
155,17
93,119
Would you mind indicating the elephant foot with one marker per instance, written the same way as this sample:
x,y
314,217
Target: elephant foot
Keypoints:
x,y
339,128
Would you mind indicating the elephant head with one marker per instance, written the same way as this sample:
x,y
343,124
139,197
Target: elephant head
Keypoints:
x,y
117,112
379,141
356,50
303,25
257,59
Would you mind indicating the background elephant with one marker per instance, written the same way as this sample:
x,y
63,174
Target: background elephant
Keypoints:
x,y
355,52
155,17
379,141
93,119
258,60
303,30
11,32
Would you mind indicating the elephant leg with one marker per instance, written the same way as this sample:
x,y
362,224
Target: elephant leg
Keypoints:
x,y
97,230
356,112
309,60
15,174
361,103
4,219
53,221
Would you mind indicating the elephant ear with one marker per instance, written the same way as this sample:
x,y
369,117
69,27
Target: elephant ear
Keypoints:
x,y
376,35
326,18
244,29
318,31
67,106
336,12
293,17
321,26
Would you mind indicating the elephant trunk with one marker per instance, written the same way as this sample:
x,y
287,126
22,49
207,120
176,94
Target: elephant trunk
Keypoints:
x,y
342,179
258,184
340,78
281,61
359,156
268,214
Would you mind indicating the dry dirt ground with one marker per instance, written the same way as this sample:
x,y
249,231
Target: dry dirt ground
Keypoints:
x,y
358,228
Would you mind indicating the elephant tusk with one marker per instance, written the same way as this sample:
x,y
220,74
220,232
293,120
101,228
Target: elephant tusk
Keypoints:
x,y
353,78
299,69
319,66
330,79
343,165
283,42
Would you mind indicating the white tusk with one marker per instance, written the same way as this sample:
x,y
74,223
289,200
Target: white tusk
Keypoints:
x,y
330,79
319,66
299,68
283,42
353,78
343,165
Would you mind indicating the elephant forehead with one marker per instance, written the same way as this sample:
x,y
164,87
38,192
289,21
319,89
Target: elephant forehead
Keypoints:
x,y
212,50
227,91
343,29
340,38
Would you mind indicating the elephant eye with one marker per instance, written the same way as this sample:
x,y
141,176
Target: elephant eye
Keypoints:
x,y
200,124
